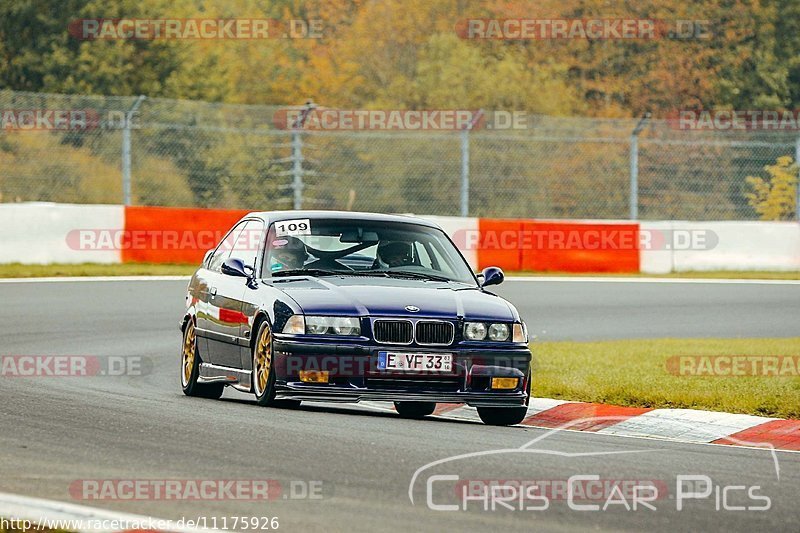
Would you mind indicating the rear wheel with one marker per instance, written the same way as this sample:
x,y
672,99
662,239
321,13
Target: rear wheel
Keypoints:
x,y
414,409
190,368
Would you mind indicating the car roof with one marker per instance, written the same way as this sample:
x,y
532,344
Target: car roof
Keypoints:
x,y
276,216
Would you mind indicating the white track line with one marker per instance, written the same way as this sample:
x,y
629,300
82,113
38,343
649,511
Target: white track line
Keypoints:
x,y
710,281
685,424
679,426
43,513
71,279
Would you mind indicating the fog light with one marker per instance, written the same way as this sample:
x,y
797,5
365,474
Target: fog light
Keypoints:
x,y
314,376
505,383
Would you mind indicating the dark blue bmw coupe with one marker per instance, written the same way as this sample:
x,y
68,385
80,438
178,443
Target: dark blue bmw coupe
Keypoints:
x,y
344,307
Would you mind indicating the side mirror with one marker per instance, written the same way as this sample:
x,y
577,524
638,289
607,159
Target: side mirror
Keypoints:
x,y
492,276
236,267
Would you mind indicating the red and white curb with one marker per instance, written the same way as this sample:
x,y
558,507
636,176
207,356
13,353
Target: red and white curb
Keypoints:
x,y
684,425
52,514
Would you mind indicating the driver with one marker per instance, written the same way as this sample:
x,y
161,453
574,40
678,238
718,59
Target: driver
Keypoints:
x,y
288,253
394,253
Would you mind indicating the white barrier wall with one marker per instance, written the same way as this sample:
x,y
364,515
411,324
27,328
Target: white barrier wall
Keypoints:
x,y
657,260
734,245
39,233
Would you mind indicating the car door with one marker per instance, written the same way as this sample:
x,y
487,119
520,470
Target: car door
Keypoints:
x,y
211,280
250,251
229,324
207,279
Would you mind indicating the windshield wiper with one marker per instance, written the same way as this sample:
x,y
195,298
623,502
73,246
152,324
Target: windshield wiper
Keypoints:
x,y
307,272
324,272
382,273
416,275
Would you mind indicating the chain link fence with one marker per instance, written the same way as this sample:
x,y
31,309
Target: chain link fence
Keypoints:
x,y
150,151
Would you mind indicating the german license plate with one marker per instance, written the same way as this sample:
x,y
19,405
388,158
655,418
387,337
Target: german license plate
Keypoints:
x,y
416,362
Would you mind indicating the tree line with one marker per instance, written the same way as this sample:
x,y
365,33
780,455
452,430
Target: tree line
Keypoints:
x,y
410,54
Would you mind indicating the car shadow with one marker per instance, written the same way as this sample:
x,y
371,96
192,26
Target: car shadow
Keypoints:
x,y
351,410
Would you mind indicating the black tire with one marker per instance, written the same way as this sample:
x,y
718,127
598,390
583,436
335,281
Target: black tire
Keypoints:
x,y
507,416
265,394
190,368
414,409
263,376
502,416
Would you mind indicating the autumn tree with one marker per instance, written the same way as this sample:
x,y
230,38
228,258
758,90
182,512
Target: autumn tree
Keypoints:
x,y
775,198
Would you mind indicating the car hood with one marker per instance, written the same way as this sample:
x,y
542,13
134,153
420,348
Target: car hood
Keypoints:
x,y
389,297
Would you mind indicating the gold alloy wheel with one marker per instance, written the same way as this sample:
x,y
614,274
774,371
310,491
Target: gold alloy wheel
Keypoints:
x,y
187,357
263,360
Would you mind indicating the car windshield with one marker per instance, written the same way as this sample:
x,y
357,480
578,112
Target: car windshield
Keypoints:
x,y
363,248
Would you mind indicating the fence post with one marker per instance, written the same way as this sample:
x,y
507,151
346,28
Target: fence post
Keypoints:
x,y
297,169
634,170
297,155
465,162
126,151
797,188
464,172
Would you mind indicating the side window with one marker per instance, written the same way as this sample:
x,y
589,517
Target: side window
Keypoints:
x,y
440,261
422,256
248,243
223,250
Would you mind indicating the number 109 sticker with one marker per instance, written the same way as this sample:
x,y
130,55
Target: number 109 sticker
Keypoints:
x,y
293,227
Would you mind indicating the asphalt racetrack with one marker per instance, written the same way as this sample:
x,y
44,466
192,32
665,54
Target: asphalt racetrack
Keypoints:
x,y
345,467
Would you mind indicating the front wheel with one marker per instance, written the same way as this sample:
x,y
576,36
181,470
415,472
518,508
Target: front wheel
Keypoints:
x,y
502,416
190,368
264,371
414,409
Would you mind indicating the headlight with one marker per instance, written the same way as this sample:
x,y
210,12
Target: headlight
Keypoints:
x,y
498,332
495,332
520,333
475,331
332,325
295,325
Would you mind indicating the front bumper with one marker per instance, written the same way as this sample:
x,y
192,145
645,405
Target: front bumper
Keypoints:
x,y
354,375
